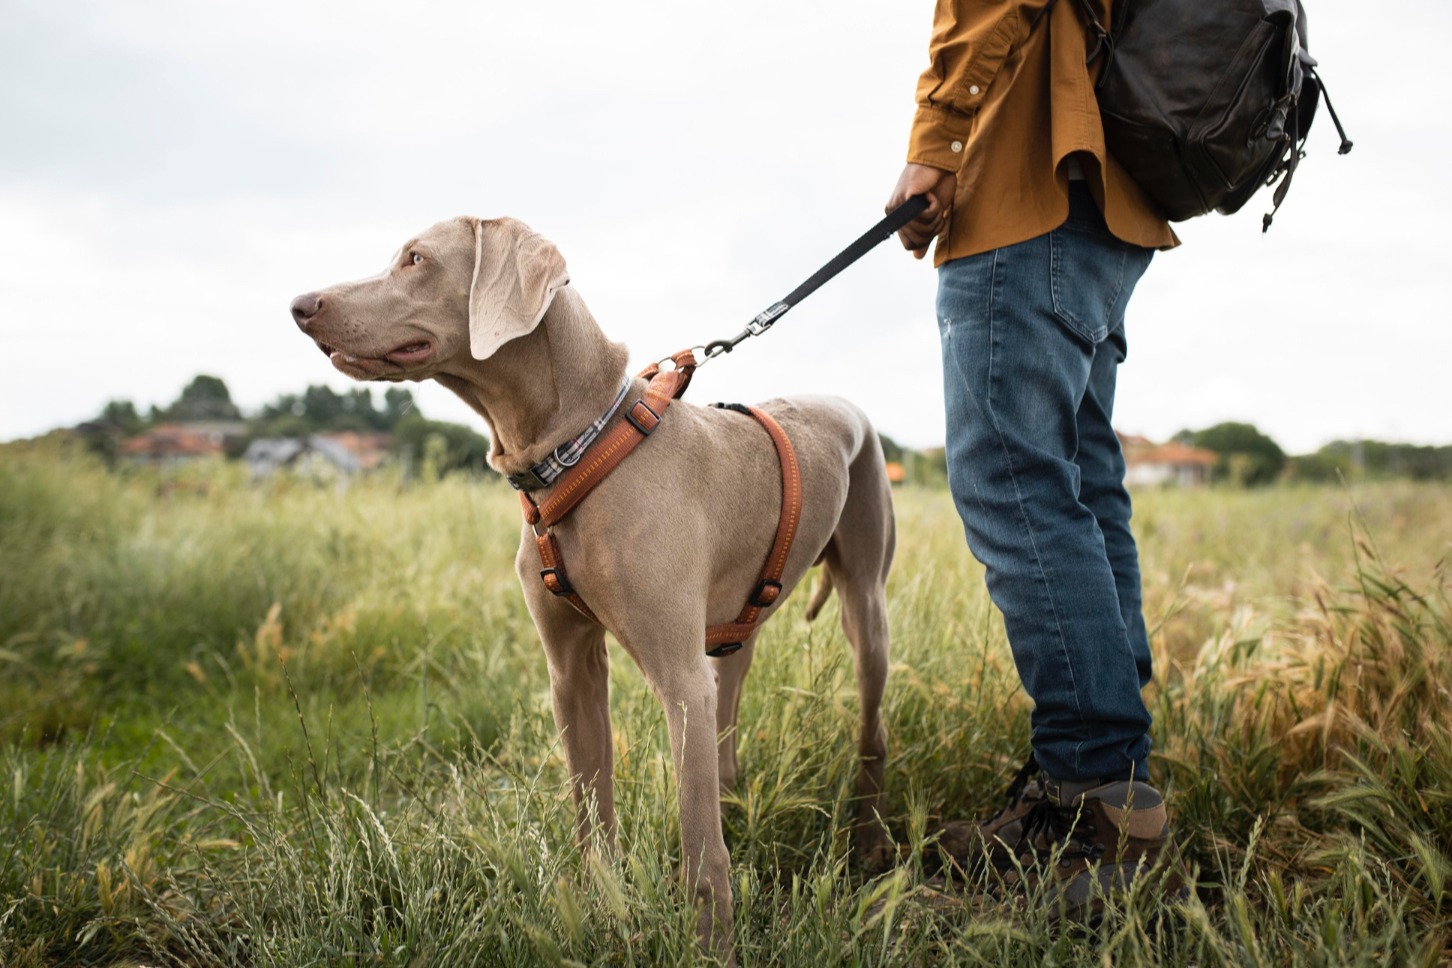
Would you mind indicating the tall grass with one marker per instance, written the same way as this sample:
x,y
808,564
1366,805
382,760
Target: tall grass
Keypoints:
x,y
290,725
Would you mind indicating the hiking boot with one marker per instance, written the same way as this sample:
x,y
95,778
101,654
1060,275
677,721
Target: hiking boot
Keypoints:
x,y
964,846
1085,839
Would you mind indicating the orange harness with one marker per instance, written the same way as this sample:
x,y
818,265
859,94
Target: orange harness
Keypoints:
x,y
606,453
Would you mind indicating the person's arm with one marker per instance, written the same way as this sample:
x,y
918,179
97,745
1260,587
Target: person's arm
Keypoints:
x,y
970,40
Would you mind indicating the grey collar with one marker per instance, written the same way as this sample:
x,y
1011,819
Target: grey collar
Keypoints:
x,y
568,454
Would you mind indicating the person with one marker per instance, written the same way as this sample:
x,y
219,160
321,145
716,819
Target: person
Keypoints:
x,y
1041,238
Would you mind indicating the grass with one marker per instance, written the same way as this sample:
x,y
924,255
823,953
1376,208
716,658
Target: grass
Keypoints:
x,y
290,725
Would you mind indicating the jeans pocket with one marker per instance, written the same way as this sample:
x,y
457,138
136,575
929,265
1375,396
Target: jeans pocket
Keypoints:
x,y
1087,274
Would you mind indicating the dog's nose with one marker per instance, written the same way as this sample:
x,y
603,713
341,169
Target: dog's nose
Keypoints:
x,y
305,307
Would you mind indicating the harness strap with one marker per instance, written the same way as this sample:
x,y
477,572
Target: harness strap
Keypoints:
x,y
726,639
606,454
552,573
641,417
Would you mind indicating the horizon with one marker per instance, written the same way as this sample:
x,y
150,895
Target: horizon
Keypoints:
x,y
156,417
175,174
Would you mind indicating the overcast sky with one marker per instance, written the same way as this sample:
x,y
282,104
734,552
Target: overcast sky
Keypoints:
x,y
173,173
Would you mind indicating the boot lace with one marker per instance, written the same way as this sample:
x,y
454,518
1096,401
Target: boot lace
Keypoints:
x,y
1020,782
1066,829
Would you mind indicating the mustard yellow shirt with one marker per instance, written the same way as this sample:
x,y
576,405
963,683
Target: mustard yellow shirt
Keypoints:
x,y
1006,99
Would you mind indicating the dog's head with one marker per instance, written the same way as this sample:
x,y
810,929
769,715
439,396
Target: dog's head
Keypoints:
x,y
464,286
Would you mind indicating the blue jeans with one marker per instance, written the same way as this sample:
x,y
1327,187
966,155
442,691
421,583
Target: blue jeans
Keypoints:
x,y
1033,335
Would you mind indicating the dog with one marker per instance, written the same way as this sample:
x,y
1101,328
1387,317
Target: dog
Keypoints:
x,y
671,541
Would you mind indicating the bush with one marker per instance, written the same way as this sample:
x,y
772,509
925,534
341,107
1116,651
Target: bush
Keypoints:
x,y
1248,458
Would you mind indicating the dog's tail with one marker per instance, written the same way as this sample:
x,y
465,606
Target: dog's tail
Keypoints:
x,y
820,596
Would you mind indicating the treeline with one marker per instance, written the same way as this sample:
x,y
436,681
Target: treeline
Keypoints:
x,y
1249,458
1376,459
318,409
925,468
1246,457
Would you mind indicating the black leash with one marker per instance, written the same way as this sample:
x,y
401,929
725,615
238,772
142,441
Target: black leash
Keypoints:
x,y
895,220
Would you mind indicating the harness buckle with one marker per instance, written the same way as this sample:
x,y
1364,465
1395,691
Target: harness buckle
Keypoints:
x,y
724,649
738,407
766,593
555,582
635,422
527,481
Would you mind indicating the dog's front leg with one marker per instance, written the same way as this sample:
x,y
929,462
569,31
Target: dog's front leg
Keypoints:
x,y
579,667
687,691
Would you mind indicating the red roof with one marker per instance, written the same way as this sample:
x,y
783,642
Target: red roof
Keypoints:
x,y
1171,453
1133,441
369,448
173,440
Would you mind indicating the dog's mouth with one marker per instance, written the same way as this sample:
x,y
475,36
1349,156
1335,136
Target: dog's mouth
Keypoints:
x,y
411,353
364,367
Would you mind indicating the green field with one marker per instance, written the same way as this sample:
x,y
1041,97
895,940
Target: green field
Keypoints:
x,y
287,724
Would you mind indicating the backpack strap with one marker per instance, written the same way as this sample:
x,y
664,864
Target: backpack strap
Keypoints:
x,y
1103,39
1298,141
1346,142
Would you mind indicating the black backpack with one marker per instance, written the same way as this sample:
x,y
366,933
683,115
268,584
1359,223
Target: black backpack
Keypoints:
x,y
1206,101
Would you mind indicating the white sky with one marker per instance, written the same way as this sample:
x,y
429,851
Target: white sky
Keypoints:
x,y
172,173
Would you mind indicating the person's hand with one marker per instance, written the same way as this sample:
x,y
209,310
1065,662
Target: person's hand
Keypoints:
x,y
938,185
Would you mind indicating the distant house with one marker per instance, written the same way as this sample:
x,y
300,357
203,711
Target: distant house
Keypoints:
x,y
1148,464
179,443
370,450
267,455
318,455
896,473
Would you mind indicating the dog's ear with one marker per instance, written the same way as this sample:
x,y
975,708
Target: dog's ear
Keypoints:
x,y
516,275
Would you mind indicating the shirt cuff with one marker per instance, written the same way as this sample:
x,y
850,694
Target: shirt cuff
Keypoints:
x,y
939,138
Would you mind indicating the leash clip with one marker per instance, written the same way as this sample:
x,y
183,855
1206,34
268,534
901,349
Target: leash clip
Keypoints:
x,y
765,319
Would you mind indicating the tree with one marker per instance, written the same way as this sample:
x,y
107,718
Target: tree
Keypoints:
x,y
205,398
122,415
439,446
397,401
1379,459
117,419
1247,456
321,407
1322,467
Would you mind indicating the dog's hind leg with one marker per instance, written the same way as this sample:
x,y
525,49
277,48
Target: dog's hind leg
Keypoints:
x,y
858,559
730,673
820,595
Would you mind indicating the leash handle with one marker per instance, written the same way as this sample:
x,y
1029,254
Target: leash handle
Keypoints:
x,y
765,319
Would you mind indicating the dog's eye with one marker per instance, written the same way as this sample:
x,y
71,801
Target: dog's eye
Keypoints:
x,y
416,258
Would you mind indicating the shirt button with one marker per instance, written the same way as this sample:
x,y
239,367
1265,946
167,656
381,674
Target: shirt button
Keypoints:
x,y
957,146
973,89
